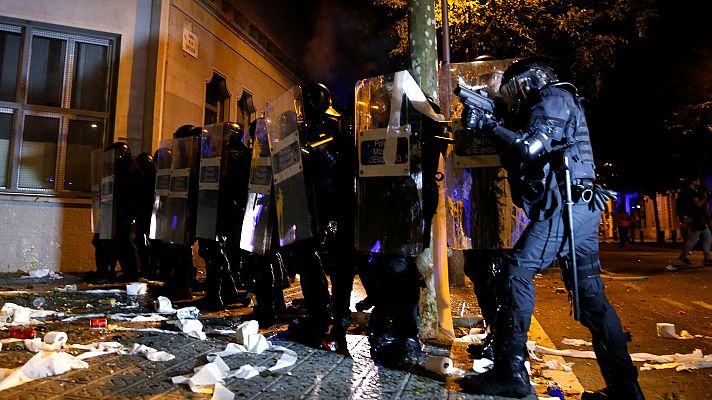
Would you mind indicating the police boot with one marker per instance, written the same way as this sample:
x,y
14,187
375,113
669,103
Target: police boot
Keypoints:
x,y
484,349
228,287
309,331
509,380
509,376
631,391
382,349
213,299
411,350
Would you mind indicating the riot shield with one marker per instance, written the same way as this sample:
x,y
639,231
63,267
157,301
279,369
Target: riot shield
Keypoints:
x,y
480,212
389,214
159,218
181,204
212,167
257,225
96,175
107,205
293,208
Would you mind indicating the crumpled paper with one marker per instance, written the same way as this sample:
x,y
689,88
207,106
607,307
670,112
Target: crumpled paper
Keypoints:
x,y
164,305
482,365
557,365
209,377
575,342
246,335
41,365
137,317
205,376
475,336
97,349
681,362
220,392
191,327
21,315
150,353
667,330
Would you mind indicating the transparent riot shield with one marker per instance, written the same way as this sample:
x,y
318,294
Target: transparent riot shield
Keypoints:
x,y
159,218
389,189
294,219
213,158
480,212
107,212
96,175
258,222
181,205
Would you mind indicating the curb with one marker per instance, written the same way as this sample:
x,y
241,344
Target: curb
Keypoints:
x,y
567,380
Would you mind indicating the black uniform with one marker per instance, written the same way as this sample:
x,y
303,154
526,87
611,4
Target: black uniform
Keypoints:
x,y
319,138
396,194
549,124
116,241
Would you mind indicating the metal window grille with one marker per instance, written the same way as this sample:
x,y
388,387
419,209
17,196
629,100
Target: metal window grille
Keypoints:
x,y
217,100
50,125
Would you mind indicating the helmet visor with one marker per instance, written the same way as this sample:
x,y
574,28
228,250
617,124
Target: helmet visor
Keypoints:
x,y
509,91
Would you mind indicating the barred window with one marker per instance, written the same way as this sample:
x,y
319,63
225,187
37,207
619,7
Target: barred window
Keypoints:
x,y
56,88
217,100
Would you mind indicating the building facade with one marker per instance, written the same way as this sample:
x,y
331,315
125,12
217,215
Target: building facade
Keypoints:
x,y
77,75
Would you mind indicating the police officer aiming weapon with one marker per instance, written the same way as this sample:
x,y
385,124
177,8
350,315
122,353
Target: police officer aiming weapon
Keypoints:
x,y
545,146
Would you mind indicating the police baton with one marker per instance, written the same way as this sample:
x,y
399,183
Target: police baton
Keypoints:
x,y
569,215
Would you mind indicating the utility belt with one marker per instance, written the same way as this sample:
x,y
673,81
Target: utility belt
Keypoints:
x,y
582,191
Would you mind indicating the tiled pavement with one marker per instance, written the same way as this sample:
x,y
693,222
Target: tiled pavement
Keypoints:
x,y
317,374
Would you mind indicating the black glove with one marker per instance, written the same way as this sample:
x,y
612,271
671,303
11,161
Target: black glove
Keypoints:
x,y
600,198
476,119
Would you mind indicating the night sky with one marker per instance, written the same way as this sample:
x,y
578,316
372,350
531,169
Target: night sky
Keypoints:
x,y
341,41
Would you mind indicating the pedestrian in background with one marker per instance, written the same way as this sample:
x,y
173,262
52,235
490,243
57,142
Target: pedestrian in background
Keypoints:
x,y
623,223
692,212
697,222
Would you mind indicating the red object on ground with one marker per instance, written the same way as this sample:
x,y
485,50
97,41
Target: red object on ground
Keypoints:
x,y
97,323
22,333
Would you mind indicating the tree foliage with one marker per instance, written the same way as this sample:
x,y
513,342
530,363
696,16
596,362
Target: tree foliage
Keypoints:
x,y
583,37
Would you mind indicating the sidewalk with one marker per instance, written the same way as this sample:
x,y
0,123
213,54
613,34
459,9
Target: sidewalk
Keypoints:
x,y
316,373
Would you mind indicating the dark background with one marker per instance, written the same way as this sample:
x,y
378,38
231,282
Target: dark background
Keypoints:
x,y
638,145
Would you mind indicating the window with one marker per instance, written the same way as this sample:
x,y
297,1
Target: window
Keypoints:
x,y
50,125
247,108
217,100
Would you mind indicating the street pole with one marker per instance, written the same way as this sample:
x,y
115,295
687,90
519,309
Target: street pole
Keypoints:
x,y
436,317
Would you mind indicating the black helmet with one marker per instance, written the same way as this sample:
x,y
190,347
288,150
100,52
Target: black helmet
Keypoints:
x,y
524,78
162,157
121,148
317,99
237,137
185,131
145,161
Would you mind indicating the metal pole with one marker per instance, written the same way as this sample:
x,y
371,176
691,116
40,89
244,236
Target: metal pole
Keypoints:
x,y
446,33
569,221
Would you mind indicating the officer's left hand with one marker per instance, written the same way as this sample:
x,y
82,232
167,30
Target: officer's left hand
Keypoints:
x,y
476,119
600,198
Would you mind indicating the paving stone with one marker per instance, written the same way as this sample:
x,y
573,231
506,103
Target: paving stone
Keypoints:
x,y
317,374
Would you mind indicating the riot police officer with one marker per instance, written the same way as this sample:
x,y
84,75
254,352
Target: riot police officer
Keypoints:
x,y
399,145
178,217
317,205
263,270
547,130
118,213
225,167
